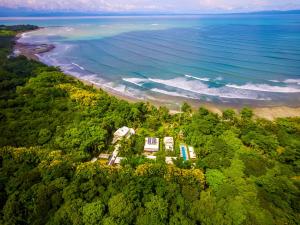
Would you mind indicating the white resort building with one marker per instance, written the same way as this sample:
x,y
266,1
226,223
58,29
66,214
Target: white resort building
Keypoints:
x,y
123,132
118,160
152,157
114,155
151,144
169,143
192,152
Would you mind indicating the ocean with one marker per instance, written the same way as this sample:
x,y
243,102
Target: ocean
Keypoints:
x,y
238,59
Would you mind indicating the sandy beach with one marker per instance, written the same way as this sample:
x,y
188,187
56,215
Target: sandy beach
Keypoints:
x,y
269,113
31,51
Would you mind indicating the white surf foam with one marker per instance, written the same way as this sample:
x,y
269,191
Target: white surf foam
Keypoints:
x,y
170,93
265,88
136,81
275,81
292,81
199,87
197,78
80,67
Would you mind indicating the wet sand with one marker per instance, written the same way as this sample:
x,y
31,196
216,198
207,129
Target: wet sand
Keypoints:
x,y
172,103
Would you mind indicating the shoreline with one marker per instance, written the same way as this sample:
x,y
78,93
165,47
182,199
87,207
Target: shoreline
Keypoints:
x,y
30,51
173,103
267,112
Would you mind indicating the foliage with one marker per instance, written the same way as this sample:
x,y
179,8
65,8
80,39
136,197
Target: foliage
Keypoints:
x,y
246,172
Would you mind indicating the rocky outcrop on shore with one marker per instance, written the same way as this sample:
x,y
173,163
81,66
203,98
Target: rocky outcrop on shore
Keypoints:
x,y
31,51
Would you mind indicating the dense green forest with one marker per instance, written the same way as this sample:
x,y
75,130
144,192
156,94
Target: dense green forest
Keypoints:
x,y
51,125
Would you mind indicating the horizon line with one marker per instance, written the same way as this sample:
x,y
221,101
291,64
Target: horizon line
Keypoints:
x,y
138,13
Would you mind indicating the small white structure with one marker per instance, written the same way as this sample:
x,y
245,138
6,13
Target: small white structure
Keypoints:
x,y
151,144
103,156
192,152
121,133
169,143
152,157
93,160
169,160
118,160
114,155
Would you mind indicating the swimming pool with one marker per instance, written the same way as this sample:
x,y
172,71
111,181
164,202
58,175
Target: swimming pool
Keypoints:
x,y
184,152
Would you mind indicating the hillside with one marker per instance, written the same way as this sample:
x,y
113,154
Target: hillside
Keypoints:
x,y
246,170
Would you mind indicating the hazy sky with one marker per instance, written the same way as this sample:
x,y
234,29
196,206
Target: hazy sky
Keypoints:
x,y
154,5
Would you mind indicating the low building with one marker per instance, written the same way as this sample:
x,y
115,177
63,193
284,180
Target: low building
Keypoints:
x,y
94,160
192,152
169,160
118,160
151,144
114,155
152,157
123,132
104,156
169,143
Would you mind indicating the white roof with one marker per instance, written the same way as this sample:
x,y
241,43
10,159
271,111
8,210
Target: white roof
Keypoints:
x,y
103,156
94,160
118,160
168,140
131,131
169,143
121,132
192,152
151,157
151,144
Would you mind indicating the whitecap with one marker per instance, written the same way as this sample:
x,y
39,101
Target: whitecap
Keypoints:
x,y
197,78
80,67
265,88
219,78
136,81
201,88
170,93
292,81
275,81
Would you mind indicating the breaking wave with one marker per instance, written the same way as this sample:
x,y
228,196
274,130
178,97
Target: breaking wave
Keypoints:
x,y
181,84
197,78
266,88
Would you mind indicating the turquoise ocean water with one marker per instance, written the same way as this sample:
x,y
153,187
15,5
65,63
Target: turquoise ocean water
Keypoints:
x,y
234,59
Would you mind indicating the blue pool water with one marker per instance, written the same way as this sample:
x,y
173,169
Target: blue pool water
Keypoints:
x,y
238,59
184,152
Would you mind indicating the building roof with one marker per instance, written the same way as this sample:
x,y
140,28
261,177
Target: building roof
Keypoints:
x,y
151,157
151,144
103,156
192,152
121,132
94,160
169,143
131,131
168,140
118,160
